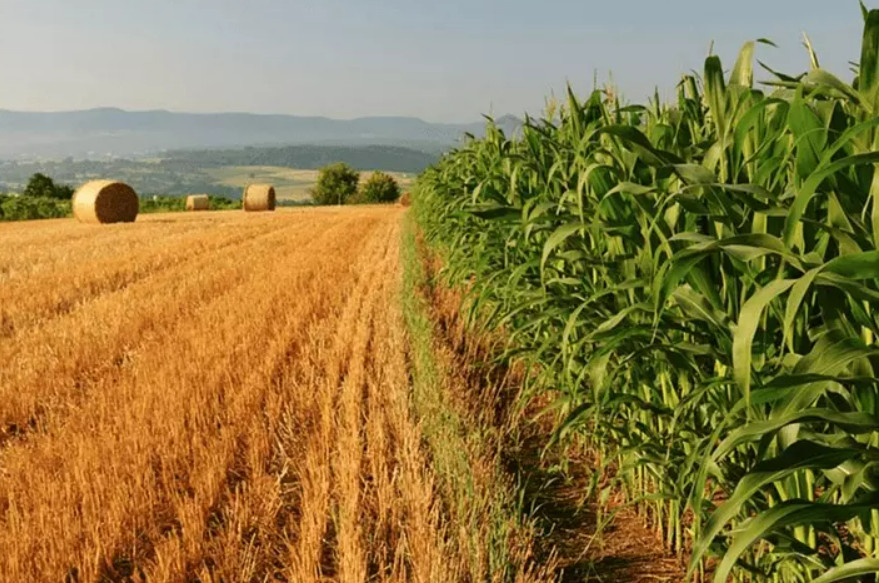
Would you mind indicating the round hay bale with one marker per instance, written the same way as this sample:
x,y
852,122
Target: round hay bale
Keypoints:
x,y
259,197
198,202
105,201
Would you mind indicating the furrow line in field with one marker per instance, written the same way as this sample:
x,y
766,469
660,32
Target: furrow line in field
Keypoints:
x,y
235,512
193,411
356,510
38,299
279,523
188,408
52,363
348,458
241,509
260,508
40,249
406,541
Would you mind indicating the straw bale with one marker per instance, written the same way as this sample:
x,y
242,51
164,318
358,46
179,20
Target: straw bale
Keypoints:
x,y
198,202
259,197
105,201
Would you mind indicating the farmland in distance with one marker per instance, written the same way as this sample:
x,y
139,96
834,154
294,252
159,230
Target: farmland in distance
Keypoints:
x,y
290,183
292,169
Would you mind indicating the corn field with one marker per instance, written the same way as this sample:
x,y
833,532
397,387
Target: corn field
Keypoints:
x,y
696,284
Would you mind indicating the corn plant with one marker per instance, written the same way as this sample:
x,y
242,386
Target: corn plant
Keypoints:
x,y
697,284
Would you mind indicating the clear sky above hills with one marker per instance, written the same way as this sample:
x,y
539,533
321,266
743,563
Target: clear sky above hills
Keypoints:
x,y
442,61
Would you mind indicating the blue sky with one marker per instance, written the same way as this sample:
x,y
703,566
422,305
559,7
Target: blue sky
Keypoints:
x,y
443,61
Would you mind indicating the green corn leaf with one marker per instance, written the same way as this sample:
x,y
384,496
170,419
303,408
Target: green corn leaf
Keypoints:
x,y
783,387
855,266
852,288
785,515
636,139
743,335
615,321
849,571
830,356
810,135
814,181
557,238
630,188
715,92
794,301
823,79
853,422
813,58
666,282
695,174
759,241
800,455
783,80
874,195
869,69
571,323
698,307
743,71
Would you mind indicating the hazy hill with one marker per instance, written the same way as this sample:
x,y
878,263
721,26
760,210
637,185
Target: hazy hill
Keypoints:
x,y
99,132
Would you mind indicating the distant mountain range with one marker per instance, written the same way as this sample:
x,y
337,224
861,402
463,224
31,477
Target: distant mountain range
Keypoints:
x,y
97,133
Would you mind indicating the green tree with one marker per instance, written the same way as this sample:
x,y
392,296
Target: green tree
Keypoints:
x,y
380,187
336,183
41,186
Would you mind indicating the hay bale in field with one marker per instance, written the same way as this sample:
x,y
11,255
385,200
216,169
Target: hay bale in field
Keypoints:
x,y
259,197
198,202
105,201
405,200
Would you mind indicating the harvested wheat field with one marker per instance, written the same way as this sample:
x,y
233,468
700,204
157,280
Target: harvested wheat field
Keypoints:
x,y
213,397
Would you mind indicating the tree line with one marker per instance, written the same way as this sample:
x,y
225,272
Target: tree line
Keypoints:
x,y
340,184
337,183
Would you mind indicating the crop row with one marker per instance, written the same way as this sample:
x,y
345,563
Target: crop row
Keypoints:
x,y
696,284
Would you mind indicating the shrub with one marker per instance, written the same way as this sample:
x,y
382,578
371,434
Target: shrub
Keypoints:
x,y
380,187
223,203
336,184
162,204
41,186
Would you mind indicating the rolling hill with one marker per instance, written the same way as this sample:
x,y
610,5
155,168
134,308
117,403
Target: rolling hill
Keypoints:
x,y
105,132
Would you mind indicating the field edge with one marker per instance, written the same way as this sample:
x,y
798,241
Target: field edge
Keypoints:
x,y
486,524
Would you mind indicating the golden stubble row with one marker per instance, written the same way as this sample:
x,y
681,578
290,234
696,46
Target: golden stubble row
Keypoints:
x,y
91,481
53,363
77,277
241,417
356,499
28,248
